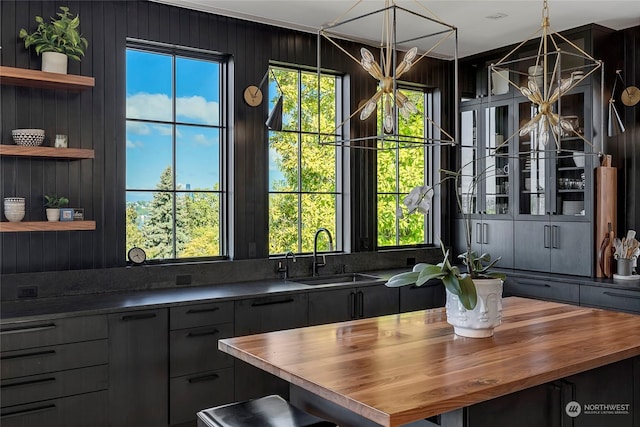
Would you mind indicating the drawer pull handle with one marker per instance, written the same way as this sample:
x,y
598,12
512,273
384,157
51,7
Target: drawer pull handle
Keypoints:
x,y
282,301
615,294
28,411
202,333
34,328
34,353
202,310
202,378
141,316
539,285
21,383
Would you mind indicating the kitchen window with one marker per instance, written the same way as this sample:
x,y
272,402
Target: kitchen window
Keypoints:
x,y
401,169
175,152
304,176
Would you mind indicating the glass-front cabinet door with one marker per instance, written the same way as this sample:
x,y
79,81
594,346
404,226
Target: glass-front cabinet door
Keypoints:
x,y
556,179
484,159
495,161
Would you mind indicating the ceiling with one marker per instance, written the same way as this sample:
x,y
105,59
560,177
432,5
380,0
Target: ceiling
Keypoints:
x,y
477,31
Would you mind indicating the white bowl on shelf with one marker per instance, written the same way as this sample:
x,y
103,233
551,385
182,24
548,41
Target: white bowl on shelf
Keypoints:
x,y
578,159
28,137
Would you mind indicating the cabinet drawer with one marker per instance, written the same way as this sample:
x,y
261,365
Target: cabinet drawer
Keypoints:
x,y
33,388
16,336
191,316
75,411
190,394
543,289
272,313
41,360
196,350
413,298
617,299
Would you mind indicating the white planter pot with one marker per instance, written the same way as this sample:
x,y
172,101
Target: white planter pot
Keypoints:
x,y
54,62
53,214
487,314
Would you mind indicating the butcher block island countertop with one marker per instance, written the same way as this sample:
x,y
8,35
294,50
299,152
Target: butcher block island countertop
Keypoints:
x,y
401,368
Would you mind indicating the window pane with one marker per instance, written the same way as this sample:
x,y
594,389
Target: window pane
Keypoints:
x,y
387,171
197,91
149,95
318,165
411,165
288,81
411,229
309,103
386,220
197,158
150,223
318,210
149,153
200,214
283,223
283,161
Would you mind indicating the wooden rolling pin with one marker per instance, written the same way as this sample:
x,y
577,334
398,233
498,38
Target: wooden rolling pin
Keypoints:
x,y
606,213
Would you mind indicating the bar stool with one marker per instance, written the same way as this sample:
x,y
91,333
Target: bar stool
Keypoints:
x,y
268,411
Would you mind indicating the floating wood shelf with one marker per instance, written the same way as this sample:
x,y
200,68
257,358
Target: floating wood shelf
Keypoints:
x,y
41,79
9,227
60,153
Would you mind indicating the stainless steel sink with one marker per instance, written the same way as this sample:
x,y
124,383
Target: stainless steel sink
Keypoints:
x,y
338,279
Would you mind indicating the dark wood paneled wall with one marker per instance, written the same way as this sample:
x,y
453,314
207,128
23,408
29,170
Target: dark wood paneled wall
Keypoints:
x,y
95,119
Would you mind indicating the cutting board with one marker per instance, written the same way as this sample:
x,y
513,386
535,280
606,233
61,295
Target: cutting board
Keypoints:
x,y
606,213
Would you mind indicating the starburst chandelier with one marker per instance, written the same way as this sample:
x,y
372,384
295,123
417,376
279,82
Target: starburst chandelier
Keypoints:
x,y
407,37
547,81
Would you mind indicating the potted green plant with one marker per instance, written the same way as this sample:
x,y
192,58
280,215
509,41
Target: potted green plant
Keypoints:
x,y
53,203
474,293
56,40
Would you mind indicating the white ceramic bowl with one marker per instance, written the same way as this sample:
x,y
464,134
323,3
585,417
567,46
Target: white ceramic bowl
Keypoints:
x,y
14,216
578,159
30,137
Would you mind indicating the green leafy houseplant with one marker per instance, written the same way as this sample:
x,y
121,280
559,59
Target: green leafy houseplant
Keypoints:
x,y
60,35
55,202
456,281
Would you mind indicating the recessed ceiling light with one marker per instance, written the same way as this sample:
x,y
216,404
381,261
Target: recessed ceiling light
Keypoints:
x,y
497,15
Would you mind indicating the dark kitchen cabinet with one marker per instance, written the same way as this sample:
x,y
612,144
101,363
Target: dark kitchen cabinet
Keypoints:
x,y
338,305
200,376
265,314
138,368
548,290
547,404
494,237
554,246
54,372
610,298
429,295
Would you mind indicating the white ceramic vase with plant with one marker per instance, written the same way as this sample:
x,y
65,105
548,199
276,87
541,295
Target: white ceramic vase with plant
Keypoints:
x,y
474,296
56,40
53,203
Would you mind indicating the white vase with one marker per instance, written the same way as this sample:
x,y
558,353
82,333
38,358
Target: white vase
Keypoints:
x,y
54,62
53,214
487,314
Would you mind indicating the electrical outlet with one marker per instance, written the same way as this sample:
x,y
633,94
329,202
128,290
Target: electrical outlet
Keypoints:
x,y
183,279
28,292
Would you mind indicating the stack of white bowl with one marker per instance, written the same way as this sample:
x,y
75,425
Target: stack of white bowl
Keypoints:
x,y
14,208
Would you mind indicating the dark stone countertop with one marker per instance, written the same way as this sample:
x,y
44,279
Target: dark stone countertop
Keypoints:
x,y
112,302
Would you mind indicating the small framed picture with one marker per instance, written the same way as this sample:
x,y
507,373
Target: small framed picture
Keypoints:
x,y
66,214
78,214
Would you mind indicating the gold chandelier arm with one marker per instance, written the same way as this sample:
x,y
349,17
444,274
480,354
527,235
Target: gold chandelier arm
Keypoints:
x,y
451,139
427,9
566,40
504,58
432,48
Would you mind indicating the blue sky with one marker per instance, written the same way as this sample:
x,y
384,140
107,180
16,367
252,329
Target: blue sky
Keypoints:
x,y
150,97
